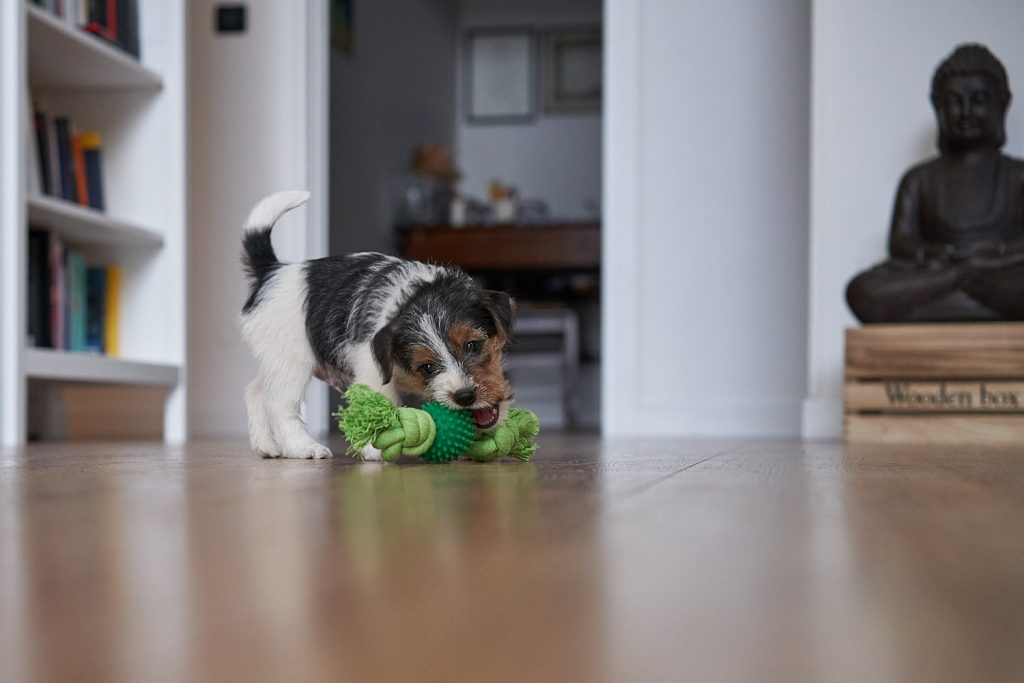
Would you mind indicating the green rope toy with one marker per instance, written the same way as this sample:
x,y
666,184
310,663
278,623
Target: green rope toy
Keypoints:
x,y
436,433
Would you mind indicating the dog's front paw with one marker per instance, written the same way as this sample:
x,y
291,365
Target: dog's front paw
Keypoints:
x,y
261,441
266,449
369,453
312,450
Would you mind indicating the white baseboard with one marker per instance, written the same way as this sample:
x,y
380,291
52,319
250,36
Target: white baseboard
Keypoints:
x,y
777,419
822,419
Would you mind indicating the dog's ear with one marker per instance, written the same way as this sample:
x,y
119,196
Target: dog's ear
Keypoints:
x,y
503,308
383,351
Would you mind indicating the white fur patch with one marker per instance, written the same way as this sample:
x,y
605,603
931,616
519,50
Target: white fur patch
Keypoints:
x,y
272,207
275,331
452,376
402,285
366,371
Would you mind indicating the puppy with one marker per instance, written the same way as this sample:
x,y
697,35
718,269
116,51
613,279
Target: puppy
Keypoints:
x,y
413,331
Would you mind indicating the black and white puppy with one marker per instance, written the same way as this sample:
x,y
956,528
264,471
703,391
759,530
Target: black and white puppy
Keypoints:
x,y
413,331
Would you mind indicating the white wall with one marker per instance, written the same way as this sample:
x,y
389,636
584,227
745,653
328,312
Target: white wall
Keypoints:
x,y
556,157
12,225
705,205
395,92
249,134
873,63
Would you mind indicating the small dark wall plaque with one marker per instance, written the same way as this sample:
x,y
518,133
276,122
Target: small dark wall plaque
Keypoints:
x,y
231,18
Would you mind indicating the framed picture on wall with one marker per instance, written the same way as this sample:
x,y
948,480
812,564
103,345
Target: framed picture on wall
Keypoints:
x,y
572,69
500,75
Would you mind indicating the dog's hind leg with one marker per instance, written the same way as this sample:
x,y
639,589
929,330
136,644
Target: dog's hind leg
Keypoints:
x,y
261,436
275,331
283,392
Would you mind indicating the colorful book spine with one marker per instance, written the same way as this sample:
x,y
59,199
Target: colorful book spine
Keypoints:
x,y
77,301
41,124
128,26
34,178
78,160
95,308
71,306
112,327
103,20
57,294
69,164
53,153
112,17
39,320
69,284
91,150
67,168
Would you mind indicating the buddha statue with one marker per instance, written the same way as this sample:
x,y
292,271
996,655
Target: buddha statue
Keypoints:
x,y
956,243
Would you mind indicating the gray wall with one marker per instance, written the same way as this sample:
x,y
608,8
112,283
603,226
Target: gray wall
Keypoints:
x,y
556,158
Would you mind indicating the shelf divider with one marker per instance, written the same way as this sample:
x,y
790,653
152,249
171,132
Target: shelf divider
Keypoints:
x,y
86,225
67,366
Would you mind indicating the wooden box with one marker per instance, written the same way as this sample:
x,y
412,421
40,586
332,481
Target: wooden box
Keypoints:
x,y
941,383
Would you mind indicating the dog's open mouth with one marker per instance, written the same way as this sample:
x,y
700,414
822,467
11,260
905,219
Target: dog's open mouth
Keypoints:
x,y
485,417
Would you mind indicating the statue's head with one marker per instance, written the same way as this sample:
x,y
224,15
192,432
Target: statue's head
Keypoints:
x,y
970,95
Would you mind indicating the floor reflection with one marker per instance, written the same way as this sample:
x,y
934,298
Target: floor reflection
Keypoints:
x,y
608,560
210,564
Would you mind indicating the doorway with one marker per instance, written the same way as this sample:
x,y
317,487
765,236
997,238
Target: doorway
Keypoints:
x,y
469,133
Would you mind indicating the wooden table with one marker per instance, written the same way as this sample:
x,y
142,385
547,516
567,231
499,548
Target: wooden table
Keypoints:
x,y
554,246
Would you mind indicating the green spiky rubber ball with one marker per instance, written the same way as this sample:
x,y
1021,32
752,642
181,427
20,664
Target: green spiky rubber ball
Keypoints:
x,y
455,433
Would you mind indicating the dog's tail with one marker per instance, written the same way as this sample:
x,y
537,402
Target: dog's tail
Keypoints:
x,y
258,255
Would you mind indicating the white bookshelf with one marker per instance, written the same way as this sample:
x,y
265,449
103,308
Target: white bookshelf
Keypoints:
x,y
60,56
87,226
139,108
87,367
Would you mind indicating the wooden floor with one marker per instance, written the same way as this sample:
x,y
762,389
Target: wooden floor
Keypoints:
x,y
600,561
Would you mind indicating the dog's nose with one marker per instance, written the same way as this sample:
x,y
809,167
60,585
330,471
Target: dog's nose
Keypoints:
x,y
465,397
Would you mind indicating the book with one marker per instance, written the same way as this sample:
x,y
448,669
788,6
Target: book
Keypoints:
x,y
53,154
112,309
103,20
41,122
70,163
33,184
91,143
39,320
95,308
70,12
115,21
67,169
57,293
112,18
71,306
78,159
128,26
76,301
97,12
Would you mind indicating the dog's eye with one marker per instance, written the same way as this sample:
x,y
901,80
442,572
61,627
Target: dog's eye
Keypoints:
x,y
472,346
428,369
